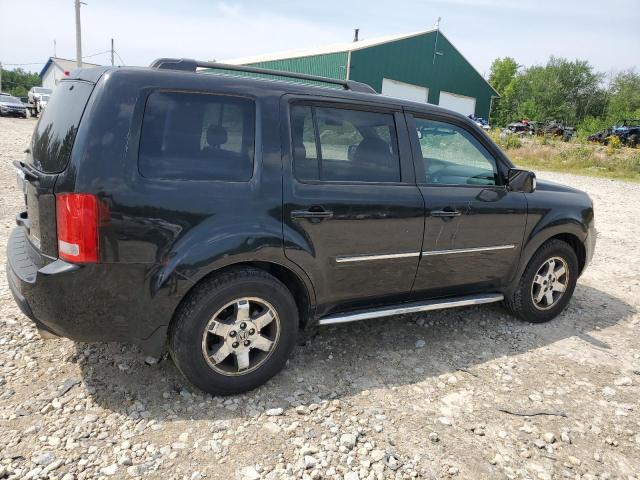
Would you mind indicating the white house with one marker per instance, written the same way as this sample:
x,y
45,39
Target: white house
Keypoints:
x,y
57,68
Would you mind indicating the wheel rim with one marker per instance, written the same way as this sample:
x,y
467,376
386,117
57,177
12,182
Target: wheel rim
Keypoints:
x,y
549,283
241,336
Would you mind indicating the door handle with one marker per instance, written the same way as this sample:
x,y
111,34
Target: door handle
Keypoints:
x,y
315,213
446,212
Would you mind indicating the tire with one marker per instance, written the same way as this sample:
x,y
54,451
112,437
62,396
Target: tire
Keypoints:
x,y
633,141
220,300
522,302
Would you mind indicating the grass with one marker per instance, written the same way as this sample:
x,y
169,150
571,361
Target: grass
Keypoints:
x,y
579,157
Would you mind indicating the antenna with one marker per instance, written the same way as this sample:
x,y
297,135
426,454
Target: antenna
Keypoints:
x,y
435,45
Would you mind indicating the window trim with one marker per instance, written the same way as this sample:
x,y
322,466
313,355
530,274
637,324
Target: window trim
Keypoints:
x,y
411,117
405,178
257,141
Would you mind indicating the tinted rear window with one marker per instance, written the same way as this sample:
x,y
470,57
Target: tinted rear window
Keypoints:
x,y
197,136
57,127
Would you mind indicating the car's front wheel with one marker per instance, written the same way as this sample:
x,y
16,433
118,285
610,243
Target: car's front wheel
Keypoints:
x,y
235,331
547,284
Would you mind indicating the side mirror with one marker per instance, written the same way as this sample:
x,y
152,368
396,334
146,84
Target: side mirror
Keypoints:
x,y
521,180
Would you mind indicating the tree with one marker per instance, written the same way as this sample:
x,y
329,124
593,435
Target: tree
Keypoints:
x,y
563,90
624,96
502,76
18,82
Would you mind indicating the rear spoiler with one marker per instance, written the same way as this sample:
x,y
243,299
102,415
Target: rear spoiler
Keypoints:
x,y
189,65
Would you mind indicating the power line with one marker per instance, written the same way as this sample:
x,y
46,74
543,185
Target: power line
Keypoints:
x,y
96,54
119,57
23,64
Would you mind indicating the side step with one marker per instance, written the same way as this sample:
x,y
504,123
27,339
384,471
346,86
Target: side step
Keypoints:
x,y
412,308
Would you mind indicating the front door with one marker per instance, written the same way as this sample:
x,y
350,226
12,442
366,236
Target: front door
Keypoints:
x,y
474,225
352,213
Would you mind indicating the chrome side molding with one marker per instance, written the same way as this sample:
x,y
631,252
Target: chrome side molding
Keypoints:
x,y
412,308
363,258
467,250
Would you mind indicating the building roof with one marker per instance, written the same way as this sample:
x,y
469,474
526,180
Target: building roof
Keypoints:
x,y
327,49
64,64
344,47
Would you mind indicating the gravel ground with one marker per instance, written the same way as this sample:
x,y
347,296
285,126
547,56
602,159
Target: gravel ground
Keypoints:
x,y
410,397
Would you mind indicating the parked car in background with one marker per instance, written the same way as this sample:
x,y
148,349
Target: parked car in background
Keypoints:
x,y
222,215
481,122
555,128
627,130
12,107
38,99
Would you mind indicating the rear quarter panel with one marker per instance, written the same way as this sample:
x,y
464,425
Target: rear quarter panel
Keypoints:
x,y
175,231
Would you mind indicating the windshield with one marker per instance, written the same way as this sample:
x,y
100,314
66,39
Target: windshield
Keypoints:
x,y
45,98
41,90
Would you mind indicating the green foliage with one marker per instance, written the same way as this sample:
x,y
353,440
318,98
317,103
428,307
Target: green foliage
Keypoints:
x,y
502,77
568,91
581,158
511,142
624,101
508,141
18,82
591,125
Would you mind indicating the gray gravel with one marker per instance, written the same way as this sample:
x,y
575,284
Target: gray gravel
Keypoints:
x,y
409,397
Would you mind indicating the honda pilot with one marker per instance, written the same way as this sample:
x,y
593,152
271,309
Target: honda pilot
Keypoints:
x,y
219,211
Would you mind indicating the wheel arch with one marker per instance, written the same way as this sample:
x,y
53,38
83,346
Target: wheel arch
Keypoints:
x,y
572,233
301,289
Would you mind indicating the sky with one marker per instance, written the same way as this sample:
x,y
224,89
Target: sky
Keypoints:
x,y
607,34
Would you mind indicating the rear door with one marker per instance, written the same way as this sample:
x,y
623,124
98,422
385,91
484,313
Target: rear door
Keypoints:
x,y
352,214
474,225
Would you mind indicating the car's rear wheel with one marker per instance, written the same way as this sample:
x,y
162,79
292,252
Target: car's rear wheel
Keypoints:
x,y
235,331
547,284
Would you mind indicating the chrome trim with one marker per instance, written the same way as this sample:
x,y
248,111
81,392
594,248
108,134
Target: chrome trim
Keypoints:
x,y
468,250
412,308
363,258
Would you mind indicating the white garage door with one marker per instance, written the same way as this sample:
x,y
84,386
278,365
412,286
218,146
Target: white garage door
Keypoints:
x,y
406,91
458,103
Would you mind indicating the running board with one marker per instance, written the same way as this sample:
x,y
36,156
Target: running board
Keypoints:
x,y
412,308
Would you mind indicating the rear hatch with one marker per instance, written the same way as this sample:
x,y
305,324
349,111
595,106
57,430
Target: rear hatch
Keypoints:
x,y
46,158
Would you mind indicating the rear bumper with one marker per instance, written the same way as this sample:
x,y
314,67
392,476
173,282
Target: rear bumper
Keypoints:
x,y
88,303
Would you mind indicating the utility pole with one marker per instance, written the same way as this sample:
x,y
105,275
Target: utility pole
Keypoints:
x,y
54,48
78,36
0,76
112,52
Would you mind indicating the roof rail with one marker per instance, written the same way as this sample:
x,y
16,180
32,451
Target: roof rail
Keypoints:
x,y
189,65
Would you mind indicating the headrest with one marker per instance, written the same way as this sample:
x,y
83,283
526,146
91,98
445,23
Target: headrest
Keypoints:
x,y
216,135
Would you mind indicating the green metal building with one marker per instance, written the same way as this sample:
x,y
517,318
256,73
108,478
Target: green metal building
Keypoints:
x,y
422,66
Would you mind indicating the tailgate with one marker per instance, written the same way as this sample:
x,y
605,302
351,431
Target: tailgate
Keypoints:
x,y
39,217
47,157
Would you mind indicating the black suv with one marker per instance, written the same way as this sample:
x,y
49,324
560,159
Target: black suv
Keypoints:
x,y
222,214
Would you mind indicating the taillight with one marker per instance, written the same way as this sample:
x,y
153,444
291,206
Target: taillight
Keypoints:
x,y
77,217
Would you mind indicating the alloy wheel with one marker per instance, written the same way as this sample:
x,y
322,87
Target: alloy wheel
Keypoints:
x,y
549,283
241,336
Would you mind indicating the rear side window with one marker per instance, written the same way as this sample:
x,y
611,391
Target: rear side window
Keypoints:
x,y
197,136
337,144
56,130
